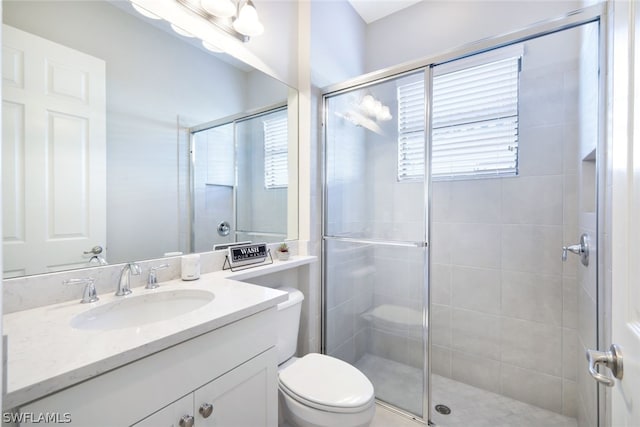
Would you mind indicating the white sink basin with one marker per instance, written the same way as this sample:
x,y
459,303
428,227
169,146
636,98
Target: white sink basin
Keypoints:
x,y
142,309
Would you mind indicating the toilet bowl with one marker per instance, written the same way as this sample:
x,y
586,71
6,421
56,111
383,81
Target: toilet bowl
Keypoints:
x,y
317,390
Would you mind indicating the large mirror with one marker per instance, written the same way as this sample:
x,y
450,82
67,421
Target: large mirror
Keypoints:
x,y
109,120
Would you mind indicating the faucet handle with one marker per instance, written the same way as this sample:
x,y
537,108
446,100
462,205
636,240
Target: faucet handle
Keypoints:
x,y
152,280
89,294
135,268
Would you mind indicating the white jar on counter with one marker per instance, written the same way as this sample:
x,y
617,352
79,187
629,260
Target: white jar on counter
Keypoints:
x,y
191,267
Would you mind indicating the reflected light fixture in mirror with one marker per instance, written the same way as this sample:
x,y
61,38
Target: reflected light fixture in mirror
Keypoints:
x,y
211,47
180,31
238,18
220,8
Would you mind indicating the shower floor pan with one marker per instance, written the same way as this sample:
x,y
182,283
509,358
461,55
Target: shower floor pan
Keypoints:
x,y
470,406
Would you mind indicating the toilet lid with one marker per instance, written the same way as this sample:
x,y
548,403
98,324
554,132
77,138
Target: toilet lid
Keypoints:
x,y
325,381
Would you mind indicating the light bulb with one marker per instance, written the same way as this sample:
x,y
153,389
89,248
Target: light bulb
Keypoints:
x,y
144,12
248,22
220,8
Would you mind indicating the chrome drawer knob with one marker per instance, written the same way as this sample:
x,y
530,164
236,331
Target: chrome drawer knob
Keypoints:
x,y
205,410
186,421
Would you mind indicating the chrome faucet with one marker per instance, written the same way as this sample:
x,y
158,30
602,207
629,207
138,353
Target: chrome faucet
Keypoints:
x,y
152,280
124,284
89,294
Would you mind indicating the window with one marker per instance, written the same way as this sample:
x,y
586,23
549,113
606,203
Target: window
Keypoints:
x,y
276,174
475,122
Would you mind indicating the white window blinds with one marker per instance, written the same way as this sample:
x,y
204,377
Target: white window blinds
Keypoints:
x,y
276,174
475,123
220,152
411,113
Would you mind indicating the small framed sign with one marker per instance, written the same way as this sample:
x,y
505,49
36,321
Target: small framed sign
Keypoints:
x,y
246,255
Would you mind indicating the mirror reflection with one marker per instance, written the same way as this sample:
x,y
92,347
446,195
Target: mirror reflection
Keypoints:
x,y
247,202
105,114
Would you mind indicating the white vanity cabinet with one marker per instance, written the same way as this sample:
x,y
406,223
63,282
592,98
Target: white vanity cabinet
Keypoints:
x,y
233,368
241,398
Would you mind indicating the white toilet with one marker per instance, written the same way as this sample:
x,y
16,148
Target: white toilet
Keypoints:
x,y
317,390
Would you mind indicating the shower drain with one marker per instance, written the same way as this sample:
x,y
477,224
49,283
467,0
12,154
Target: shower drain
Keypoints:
x,y
443,409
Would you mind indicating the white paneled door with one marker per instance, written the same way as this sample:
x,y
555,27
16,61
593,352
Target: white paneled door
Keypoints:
x,y
53,154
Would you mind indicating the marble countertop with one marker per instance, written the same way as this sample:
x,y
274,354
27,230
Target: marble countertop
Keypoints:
x,y
45,354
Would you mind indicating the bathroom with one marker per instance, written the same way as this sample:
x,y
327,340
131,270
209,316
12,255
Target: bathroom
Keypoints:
x,y
152,211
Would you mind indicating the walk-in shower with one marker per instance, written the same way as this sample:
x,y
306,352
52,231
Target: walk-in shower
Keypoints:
x,y
239,175
450,189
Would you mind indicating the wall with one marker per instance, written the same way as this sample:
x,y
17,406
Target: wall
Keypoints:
x,y
319,46
142,106
336,55
277,47
433,27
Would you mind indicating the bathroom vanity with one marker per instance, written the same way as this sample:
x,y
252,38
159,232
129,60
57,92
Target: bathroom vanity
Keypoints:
x,y
105,364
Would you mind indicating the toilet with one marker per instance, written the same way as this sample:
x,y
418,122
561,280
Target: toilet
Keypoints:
x,y
317,390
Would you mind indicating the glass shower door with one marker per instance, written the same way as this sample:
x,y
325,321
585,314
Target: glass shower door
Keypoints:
x,y
374,233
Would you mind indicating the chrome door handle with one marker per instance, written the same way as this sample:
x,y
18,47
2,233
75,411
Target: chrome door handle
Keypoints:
x,y
96,250
581,249
612,359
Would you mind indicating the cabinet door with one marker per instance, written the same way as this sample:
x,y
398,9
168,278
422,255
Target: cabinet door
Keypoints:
x,y
171,415
247,396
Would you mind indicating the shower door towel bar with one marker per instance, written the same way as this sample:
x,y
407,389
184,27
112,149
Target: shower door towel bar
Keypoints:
x,y
407,244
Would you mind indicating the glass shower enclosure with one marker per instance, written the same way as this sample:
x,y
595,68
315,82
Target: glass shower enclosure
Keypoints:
x,y
450,190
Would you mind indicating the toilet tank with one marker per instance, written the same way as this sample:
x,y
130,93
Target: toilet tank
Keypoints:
x,y
288,324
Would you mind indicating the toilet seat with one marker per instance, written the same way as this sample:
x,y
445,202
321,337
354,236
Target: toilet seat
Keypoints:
x,y
326,383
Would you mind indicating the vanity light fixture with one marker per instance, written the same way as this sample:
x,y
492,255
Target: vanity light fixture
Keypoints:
x,y
238,18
